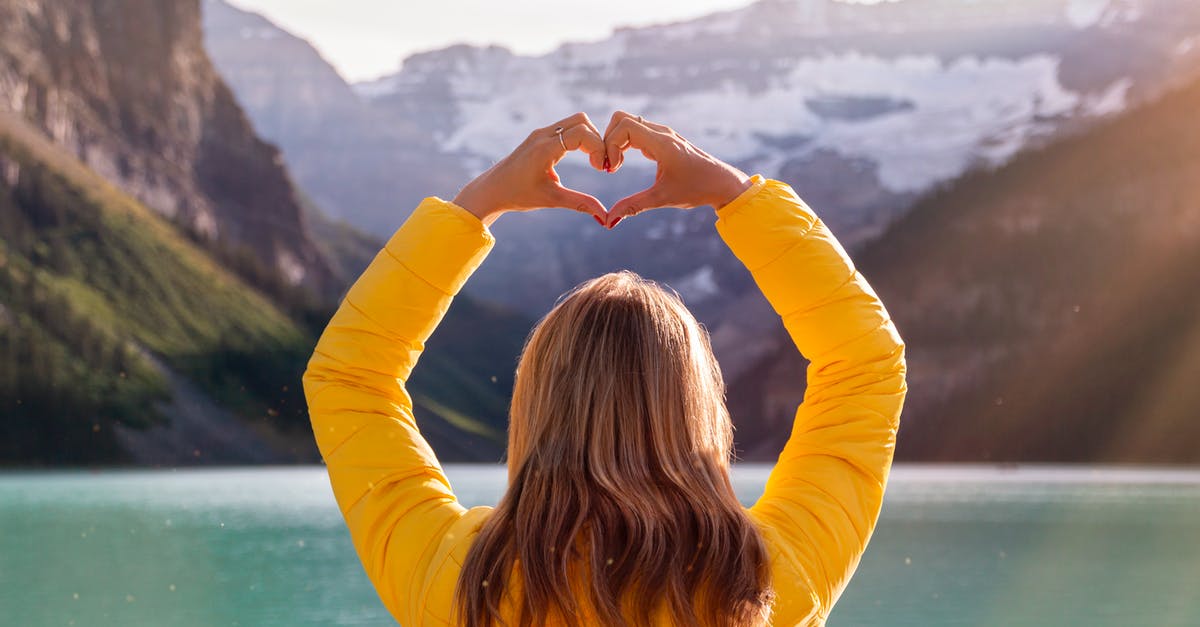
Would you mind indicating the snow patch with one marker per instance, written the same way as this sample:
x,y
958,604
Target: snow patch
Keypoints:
x,y
698,285
1085,13
1187,45
291,268
955,113
954,110
1114,99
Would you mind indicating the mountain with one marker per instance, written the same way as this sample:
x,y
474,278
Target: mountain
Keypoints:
x,y
1050,306
124,341
115,328
347,158
863,108
126,86
162,281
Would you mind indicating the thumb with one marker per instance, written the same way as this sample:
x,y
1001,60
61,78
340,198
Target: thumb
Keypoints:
x,y
567,198
632,205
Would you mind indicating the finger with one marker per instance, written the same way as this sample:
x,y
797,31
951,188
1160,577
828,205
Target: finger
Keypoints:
x,y
566,198
582,137
616,118
662,128
622,115
567,122
588,122
644,200
630,133
597,159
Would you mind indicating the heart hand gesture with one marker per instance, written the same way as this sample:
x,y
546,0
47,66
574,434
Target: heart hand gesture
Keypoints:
x,y
687,177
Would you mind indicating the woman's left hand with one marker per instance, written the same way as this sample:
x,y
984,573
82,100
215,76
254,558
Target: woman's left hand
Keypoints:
x,y
526,180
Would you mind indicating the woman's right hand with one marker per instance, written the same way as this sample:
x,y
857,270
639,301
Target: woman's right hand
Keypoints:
x,y
687,177
526,179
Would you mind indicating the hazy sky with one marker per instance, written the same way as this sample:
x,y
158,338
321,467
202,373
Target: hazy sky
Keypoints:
x,y
367,38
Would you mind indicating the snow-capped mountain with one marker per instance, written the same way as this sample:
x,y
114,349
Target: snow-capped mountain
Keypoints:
x,y
861,107
919,89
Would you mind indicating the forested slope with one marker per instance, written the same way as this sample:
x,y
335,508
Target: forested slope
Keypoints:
x,y
91,282
1051,307
97,291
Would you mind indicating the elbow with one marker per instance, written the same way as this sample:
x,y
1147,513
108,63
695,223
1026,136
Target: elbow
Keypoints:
x,y
900,378
898,350
311,376
895,374
311,381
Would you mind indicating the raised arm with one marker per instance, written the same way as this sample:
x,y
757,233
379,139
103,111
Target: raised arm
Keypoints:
x,y
387,481
824,495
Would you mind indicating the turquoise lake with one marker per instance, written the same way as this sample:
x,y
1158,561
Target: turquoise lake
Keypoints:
x,y
257,547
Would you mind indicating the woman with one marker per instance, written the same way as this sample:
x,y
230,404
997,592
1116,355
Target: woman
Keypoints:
x,y
619,508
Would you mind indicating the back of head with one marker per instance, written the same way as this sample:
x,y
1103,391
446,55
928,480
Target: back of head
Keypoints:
x,y
619,502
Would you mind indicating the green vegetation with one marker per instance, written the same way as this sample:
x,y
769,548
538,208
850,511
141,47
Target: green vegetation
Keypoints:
x,y
463,382
98,294
92,284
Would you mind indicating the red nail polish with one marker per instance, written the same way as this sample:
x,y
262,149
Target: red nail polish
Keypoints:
x,y
607,165
615,223
598,220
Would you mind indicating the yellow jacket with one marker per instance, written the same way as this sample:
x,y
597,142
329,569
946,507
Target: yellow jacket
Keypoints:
x,y
821,500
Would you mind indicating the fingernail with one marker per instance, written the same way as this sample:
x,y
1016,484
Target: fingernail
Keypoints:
x,y
607,165
615,223
598,220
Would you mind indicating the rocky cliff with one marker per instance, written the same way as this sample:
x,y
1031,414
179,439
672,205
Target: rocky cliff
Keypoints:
x,y
126,86
157,267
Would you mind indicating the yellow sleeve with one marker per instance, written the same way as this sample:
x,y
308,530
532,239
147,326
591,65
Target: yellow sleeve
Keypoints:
x,y
387,481
823,496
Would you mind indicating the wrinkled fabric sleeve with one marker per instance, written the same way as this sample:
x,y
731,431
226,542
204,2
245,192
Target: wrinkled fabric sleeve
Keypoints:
x,y
824,495
396,500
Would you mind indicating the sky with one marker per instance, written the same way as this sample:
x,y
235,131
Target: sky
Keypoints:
x,y
365,39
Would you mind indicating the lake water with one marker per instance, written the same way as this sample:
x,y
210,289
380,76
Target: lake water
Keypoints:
x,y
260,547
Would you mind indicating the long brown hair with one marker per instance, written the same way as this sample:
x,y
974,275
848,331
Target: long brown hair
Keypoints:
x,y
619,505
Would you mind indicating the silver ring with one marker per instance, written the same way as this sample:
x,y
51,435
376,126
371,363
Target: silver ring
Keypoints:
x,y
559,131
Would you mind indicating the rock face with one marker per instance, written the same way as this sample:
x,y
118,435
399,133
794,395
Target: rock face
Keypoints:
x,y
127,87
351,160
